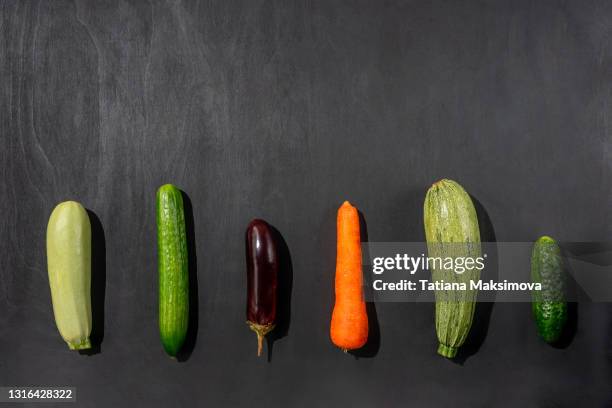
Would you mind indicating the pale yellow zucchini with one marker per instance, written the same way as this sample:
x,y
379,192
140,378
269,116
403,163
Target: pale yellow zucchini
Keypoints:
x,y
69,266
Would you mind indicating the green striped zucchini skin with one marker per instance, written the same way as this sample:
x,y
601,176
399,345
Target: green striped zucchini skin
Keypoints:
x,y
549,306
173,269
451,230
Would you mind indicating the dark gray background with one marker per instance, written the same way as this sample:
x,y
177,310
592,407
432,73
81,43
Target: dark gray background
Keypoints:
x,y
281,110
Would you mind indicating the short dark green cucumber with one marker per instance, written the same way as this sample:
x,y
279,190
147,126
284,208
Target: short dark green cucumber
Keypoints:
x,y
173,269
549,305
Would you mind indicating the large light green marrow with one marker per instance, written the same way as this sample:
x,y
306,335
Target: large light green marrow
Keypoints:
x,y
451,230
69,267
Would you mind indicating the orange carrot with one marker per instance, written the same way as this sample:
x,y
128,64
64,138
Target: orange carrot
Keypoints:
x,y
349,324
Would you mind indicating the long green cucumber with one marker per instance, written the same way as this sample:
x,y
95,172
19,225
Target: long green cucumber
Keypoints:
x,y
69,268
549,306
451,230
173,269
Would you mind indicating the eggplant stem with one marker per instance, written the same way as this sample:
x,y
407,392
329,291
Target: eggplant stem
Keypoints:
x,y
261,330
259,344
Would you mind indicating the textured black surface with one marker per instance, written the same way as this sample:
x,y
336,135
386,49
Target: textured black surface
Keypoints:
x,y
281,110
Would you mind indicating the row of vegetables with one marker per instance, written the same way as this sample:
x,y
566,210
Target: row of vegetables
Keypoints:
x,y
449,218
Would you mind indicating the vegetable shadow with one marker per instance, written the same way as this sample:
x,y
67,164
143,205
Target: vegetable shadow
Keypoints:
x,y
284,289
370,349
483,311
98,284
192,259
573,291
570,329
597,253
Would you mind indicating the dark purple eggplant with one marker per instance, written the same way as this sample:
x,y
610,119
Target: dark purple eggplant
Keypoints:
x,y
262,279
